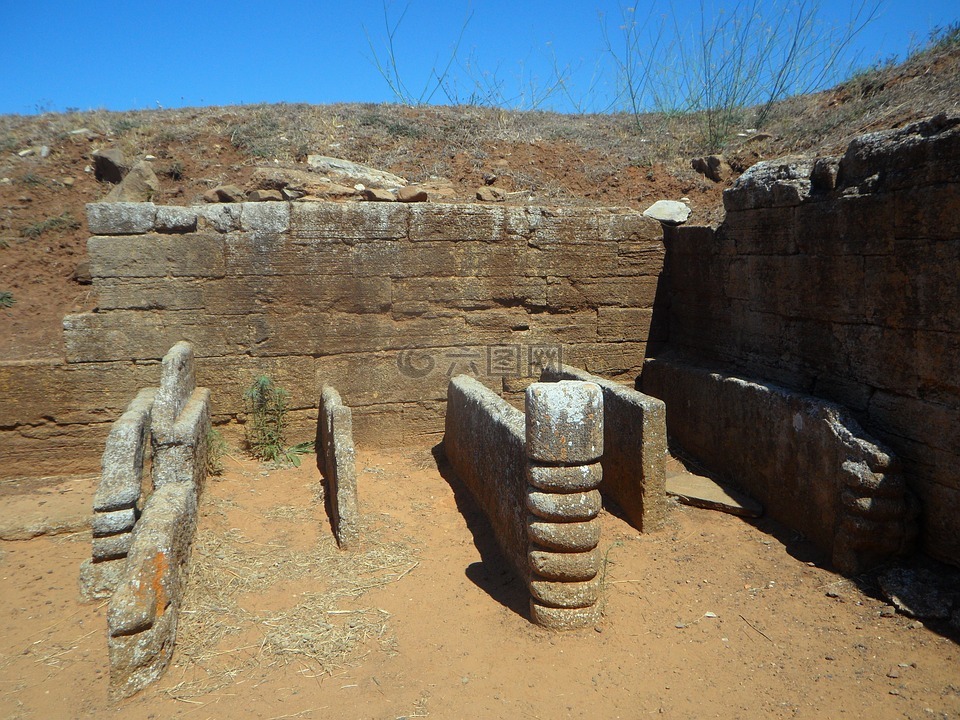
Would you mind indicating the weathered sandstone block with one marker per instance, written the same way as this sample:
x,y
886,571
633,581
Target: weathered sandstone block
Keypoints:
x,y
563,536
122,465
566,594
338,458
565,566
635,448
568,507
142,616
565,478
564,422
562,618
122,218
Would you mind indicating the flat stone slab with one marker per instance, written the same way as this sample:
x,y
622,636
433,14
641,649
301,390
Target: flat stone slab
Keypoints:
x,y
703,492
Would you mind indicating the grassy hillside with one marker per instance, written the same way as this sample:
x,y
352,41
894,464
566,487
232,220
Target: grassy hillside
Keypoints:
x,y
536,157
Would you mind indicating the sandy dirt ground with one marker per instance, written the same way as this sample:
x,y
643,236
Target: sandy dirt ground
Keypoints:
x,y
713,616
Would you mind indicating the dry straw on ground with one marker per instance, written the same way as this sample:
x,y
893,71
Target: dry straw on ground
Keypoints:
x,y
220,641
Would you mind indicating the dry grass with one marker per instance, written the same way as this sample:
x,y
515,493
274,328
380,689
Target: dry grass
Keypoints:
x,y
220,642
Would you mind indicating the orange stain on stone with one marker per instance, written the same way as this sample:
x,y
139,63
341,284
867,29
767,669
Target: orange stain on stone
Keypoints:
x,y
160,565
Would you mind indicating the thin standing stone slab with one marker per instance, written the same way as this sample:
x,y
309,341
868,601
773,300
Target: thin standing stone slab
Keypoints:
x,y
703,492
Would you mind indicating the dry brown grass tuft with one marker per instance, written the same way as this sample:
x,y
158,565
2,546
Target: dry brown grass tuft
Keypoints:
x,y
220,641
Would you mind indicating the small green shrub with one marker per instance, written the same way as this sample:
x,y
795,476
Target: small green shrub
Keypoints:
x,y
6,299
64,221
267,423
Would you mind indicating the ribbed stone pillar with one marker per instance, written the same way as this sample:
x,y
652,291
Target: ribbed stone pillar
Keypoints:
x,y
564,442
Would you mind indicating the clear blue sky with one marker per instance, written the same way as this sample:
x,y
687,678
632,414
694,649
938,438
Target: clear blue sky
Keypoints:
x,y
135,54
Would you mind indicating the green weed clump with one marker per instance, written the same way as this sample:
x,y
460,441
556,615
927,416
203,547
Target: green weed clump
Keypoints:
x,y
216,449
6,299
267,423
64,221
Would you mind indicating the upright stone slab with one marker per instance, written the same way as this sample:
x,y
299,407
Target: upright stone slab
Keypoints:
x,y
181,421
115,501
635,448
339,466
564,442
484,442
178,380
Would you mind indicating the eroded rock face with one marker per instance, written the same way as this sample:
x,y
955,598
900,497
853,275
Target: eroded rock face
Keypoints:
x,y
139,185
351,173
772,183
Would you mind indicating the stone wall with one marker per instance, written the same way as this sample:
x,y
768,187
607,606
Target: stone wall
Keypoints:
x,y
384,301
535,476
805,459
839,278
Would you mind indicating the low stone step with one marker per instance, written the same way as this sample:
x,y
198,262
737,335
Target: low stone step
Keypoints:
x,y
703,492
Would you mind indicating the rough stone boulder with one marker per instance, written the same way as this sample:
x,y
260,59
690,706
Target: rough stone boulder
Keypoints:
x,y
109,165
139,185
774,183
351,173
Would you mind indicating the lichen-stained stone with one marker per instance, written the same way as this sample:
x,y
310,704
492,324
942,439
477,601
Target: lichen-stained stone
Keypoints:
x,y
122,218
142,615
564,536
111,547
564,422
222,217
268,218
566,594
178,380
565,618
122,464
565,567
564,479
176,219
111,523
564,508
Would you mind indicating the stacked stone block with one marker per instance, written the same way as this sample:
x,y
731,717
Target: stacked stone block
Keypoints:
x,y
337,459
139,562
181,421
635,448
564,443
118,493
